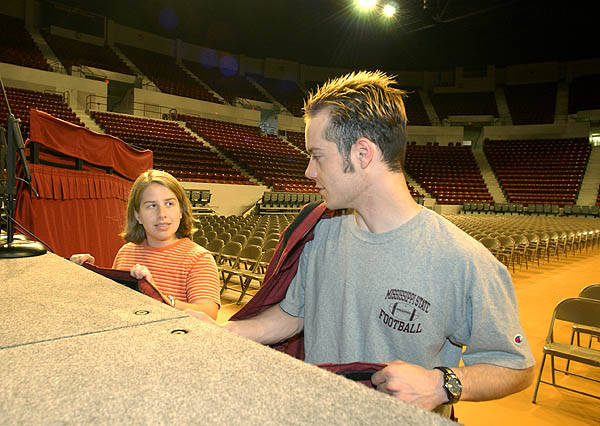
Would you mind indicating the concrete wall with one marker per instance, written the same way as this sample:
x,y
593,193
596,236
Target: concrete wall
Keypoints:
x,y
580,68
33,79
546,72
86,38
538,131
288,122
227,199
158,103
14,8
208,57
281,69
117,33
442,135
251,65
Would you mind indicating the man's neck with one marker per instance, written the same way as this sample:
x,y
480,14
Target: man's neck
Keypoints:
x,y
387,207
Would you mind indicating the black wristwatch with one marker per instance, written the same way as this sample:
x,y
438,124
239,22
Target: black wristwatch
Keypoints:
x,y
452,385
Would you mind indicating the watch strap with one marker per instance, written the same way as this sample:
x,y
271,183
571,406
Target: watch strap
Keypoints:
x,y
451,380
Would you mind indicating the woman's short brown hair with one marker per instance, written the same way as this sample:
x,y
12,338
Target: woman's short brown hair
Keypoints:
x,y
134,232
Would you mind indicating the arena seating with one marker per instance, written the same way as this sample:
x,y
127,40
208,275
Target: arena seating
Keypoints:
x,y
175,150
287,92
227,83
22,101
449,173
17,47
584,93
532,240
74,52
297,139
415,111
539,171
446,104
266,157
166,74
285,202
531,103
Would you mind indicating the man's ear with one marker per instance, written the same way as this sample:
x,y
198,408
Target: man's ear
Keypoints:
x,y
364,151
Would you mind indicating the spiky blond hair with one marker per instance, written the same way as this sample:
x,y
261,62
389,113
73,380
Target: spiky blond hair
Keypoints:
x,y
363,104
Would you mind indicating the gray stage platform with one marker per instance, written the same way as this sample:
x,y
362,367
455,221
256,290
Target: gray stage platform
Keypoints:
x,y
76,347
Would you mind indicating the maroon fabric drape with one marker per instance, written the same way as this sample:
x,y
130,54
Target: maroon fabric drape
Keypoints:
x,y
79,211
95,148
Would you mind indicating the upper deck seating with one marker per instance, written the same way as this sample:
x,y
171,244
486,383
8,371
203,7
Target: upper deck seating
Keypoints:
x,y
449,173
297,139
287,92
447,104
266,157
175,150
226,83
167,75
539,171
17,46
74,52
531,103
584,93
415,110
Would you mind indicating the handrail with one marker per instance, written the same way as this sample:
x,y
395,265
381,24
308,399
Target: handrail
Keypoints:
x,y
58,67
93,102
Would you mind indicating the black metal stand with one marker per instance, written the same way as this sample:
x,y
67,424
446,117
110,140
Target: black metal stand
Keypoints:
x,y
15,246
9,247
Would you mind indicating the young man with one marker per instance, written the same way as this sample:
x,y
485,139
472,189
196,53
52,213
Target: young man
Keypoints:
x,y
386,280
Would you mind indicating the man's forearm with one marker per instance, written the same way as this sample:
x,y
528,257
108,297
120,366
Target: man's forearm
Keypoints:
x,y
483,382
270,326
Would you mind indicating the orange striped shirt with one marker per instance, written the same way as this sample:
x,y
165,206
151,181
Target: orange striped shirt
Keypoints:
x,y
183,269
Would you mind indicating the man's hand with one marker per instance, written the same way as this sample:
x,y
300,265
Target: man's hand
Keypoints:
x,y
201,316
80,259
412,384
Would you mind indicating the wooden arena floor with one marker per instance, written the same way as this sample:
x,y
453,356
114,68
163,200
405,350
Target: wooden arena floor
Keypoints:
x,y
538,291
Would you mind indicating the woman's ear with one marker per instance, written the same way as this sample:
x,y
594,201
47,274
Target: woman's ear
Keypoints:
x,y
137,217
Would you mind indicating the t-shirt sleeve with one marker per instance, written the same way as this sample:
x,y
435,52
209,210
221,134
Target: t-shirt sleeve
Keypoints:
x,y
203,279
118,262
293,303
492,331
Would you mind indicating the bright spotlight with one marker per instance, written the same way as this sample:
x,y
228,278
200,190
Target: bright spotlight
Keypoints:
x,y
366,4
389,10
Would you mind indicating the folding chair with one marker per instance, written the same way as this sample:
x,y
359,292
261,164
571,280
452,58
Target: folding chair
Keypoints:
x,y
591,291
577,310
246,261
229,254
520,250
507,248
215,247
258,274
201,241
270,243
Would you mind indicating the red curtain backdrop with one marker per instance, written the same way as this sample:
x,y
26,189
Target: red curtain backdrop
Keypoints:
x,y
79,211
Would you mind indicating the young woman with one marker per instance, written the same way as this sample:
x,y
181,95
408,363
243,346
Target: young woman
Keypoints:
x,y
158,231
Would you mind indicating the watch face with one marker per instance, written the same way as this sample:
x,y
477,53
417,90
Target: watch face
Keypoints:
x,y
454,386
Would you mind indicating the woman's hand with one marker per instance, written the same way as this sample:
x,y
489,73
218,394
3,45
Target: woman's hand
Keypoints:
x,y
80,259
141,272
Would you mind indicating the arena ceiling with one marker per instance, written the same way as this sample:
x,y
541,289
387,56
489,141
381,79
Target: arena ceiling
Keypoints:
x,y
426,35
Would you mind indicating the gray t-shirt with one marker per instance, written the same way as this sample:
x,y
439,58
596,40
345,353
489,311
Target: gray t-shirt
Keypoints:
x,y
417,293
